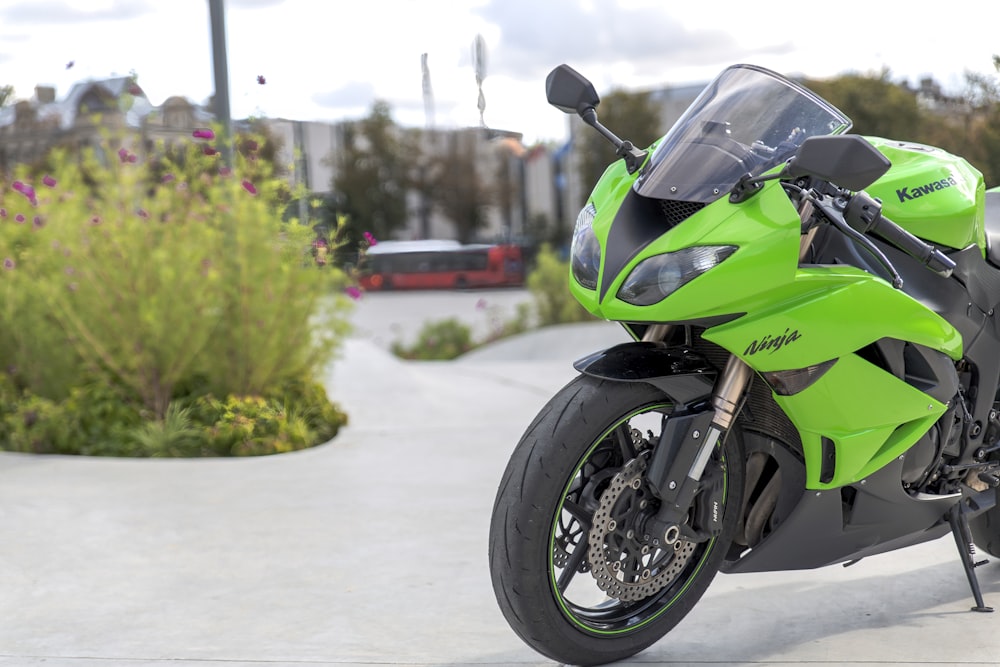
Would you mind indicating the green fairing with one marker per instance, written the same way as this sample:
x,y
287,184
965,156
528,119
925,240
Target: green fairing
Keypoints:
x,y
765,228
871,416
793,317
933,194
832,311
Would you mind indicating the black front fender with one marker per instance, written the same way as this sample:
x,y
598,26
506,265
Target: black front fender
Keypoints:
x,y
685,376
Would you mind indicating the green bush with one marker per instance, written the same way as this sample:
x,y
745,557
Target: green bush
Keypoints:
x,y
92,419
437,340
130,283
175,435
253,425
548,283
38,425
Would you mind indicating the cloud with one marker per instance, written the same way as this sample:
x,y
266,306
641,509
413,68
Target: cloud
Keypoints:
x,y
48,12
254,4
349,96
648,40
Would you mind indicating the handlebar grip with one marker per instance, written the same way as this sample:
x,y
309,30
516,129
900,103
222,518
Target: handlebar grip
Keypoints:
x,y
864,214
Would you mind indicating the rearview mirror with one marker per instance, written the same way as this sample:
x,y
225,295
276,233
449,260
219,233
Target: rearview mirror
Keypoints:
x,y
846,159
569,91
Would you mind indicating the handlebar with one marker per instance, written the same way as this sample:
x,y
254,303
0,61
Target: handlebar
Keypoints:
x,y
864,214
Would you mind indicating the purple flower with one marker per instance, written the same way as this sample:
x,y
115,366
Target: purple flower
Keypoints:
x,y
370,239
3,213
251,145
123,154
49,181
249,187
203,134
167,178
143,213
38,222
261,80
133,158
96,220
225,171
19,217
26,190
209,151
9,264
353,292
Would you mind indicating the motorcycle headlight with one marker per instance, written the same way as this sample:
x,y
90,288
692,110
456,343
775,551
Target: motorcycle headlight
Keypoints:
x,y
657,277
585,252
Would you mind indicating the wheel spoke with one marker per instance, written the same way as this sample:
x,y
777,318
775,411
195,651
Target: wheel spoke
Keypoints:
x,y
579,513
575,558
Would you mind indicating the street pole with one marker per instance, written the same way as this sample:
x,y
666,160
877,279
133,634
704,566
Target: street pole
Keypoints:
x,y
217,15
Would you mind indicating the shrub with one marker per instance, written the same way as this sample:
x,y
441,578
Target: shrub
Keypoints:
x,y
160,279
253,425
175,435
93,419
38,425
437,340
549,286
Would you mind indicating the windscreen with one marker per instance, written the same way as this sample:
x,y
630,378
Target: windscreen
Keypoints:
x,y
747,121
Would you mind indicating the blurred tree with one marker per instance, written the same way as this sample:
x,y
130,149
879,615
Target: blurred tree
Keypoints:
x,y
877,105
423,174
967,125
630,115
461,194
371,179
981,123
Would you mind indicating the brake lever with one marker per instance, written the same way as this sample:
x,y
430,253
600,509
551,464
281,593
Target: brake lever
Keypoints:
x,y
835,215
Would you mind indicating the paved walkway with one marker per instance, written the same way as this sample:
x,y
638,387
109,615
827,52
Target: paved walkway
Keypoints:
x,y
371,550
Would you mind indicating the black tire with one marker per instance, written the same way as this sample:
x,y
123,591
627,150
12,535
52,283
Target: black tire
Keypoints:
x,y
569,456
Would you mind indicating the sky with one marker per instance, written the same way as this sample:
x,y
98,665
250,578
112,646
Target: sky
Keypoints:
x,y
329,60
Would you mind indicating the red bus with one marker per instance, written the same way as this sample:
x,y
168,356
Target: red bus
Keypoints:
x,y
441,265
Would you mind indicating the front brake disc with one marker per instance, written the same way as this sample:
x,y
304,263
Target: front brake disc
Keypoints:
x,y
625,564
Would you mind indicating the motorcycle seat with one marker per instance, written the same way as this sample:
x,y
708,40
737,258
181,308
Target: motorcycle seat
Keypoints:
x,y
992,222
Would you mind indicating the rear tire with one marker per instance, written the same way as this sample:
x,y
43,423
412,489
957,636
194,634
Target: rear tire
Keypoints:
x,y
567,460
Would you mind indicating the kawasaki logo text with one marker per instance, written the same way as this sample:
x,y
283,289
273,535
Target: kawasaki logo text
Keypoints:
x,y
908,193
772,343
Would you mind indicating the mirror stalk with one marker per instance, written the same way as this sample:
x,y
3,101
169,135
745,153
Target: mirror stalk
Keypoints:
x,y
633,156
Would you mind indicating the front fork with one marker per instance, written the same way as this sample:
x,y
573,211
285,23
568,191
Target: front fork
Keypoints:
x,y
678,463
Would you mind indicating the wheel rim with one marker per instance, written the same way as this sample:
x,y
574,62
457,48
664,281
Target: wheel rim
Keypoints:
x,y
584,600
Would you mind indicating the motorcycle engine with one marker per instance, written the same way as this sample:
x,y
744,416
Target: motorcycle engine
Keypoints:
x,y
944,438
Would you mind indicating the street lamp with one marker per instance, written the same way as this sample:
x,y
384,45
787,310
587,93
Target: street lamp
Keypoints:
x,y
217,16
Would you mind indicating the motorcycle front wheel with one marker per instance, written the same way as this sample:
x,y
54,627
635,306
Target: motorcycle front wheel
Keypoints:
x,y
573,571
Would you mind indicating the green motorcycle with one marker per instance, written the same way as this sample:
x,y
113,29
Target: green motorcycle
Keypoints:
x,y
813,377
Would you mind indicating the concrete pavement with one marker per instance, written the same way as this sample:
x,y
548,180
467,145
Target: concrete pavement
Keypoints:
x,y
372,549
